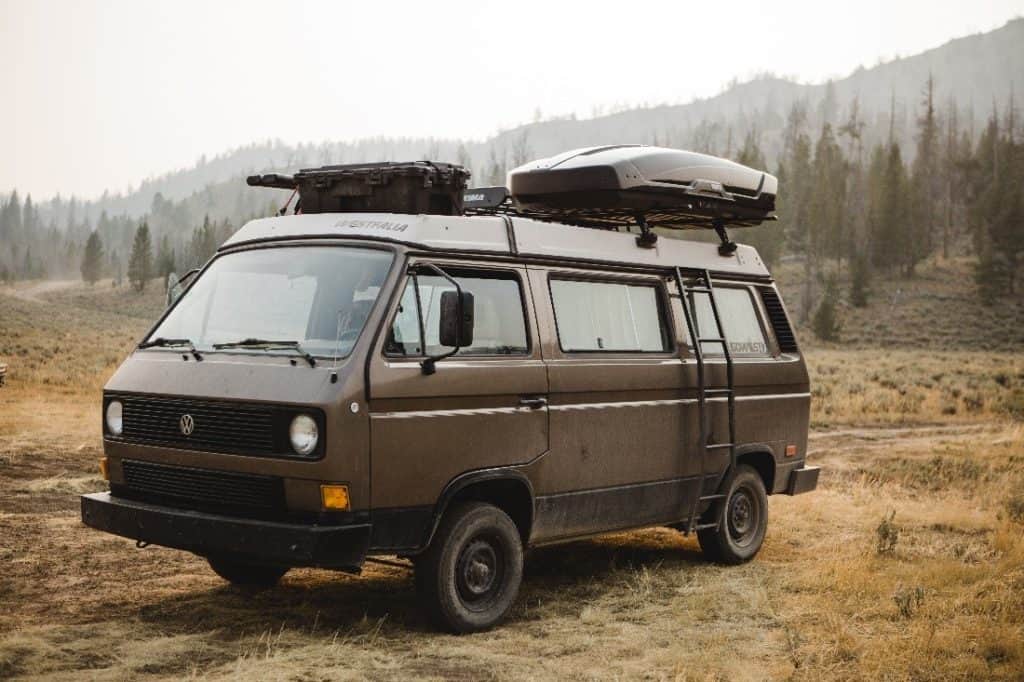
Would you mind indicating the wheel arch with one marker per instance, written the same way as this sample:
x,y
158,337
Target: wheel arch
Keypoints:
x,y
762,460
507,489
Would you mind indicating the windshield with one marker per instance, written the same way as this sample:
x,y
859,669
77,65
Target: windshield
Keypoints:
x,y
319,296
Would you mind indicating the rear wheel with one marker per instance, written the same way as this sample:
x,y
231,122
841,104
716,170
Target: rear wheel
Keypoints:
x,y
469,576
741,518
245,574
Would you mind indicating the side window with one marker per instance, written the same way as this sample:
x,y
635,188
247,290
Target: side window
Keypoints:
x,y
499,325
743,330
594,316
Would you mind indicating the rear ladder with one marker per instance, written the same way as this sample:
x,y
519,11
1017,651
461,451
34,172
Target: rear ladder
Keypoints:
x,y
704,286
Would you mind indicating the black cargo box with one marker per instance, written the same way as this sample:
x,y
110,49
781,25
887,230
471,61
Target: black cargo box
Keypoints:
x,y
388,187
668,187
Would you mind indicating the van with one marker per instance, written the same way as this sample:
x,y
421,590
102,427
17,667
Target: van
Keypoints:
x,y
456,384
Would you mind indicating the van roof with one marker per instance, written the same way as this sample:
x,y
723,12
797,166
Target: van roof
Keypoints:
x,y
508,236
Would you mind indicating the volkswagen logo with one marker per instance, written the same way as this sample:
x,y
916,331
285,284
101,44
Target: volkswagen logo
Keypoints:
x,y
187,424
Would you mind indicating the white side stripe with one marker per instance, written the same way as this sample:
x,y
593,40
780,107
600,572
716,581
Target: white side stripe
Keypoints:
x,y
484,411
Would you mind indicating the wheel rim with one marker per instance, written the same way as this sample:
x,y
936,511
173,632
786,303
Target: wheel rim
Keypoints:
x,y
480,572
743,516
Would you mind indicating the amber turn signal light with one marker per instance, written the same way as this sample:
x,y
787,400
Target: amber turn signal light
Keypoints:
x,y
334,497
104,469
790,451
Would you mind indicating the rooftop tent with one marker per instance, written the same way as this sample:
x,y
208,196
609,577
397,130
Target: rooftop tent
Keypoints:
x,y
619,185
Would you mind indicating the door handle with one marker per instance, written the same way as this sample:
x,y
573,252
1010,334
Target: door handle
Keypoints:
x,y
533,403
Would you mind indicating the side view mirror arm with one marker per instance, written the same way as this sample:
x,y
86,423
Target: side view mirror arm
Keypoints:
x,y
179,283
429,364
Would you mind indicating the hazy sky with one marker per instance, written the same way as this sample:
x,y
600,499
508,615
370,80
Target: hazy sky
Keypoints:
x,y
103,94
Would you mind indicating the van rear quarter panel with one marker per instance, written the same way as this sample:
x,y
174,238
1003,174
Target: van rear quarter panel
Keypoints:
x,y
625,427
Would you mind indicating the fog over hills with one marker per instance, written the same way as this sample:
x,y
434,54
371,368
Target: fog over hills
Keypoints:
x,y
973,77
972,71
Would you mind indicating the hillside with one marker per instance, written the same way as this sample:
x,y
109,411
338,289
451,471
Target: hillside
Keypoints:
x,y
974,71
936,310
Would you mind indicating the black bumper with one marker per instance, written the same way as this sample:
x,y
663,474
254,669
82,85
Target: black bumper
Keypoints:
x,y
803,480
266,542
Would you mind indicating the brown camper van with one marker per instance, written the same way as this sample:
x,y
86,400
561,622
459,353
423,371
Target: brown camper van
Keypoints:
x,y
402,366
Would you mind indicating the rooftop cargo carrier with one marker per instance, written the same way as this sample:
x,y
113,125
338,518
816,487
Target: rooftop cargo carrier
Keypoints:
x,y
617,185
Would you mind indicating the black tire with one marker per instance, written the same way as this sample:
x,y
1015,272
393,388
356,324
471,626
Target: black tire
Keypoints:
x,y
246,574
470,575
742,518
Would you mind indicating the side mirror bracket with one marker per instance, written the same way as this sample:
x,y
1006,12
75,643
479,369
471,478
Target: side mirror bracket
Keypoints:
x,y
456,323
176,285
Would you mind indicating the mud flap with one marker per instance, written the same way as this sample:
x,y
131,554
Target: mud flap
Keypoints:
x,y
803,480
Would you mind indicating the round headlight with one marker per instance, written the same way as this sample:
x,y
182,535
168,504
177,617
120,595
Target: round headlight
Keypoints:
x,y
114,417
304,434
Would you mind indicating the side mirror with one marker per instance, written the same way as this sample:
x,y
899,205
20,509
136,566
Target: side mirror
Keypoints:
x,y
456,323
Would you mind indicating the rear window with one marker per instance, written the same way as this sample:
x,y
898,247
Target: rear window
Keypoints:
x,y
596,316
743,330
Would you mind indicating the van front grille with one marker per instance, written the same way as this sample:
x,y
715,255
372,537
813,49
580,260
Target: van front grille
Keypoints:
x,y
780,323
214,425
202,488
211,425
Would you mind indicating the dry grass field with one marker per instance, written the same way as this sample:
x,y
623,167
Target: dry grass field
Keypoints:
x,y
906,564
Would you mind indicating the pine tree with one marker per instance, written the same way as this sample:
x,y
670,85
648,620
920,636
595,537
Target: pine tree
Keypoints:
x,y
29,217
925,188
797,171
203,244
92,259
856,242
140,262
860,285
826,322
768,238
116,269
165,259
14,215
893,243
997,210
825,227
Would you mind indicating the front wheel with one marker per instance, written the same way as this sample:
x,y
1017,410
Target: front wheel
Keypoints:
x,y
470,575
245,574
741,518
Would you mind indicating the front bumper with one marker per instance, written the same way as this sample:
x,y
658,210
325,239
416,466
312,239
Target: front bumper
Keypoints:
x,y
266,542
803,480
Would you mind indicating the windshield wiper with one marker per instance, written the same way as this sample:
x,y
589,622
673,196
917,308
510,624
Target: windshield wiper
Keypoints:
x,y
266,344
162,342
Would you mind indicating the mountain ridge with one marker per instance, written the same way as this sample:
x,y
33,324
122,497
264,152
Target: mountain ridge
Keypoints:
x,y
972,70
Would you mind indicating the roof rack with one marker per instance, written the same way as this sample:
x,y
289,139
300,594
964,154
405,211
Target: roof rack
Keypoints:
x,y
611,187
682,218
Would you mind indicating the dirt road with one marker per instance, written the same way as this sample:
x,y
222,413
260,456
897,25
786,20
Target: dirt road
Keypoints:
x,y
35,291
819,601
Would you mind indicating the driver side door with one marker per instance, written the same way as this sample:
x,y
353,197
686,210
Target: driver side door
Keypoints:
x,y
484,407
